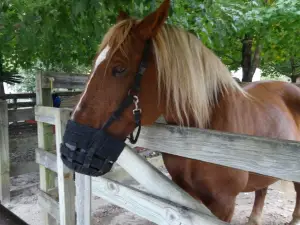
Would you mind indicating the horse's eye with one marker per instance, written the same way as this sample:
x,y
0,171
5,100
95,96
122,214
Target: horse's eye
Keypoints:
x,y
118,71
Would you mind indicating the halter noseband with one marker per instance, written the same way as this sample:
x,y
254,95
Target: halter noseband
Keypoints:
x,y
92,151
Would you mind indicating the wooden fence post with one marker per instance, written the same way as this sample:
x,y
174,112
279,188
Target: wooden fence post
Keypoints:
x,y
66,184
4,154
45,141
83,199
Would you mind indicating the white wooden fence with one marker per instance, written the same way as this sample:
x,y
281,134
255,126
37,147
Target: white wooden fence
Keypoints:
x,y
12,110
8,169
4,154
164,202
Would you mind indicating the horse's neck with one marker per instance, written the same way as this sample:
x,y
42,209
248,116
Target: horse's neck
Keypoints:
x,y
230,113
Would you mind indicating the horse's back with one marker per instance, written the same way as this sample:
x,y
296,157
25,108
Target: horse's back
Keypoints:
x,y
272,110
278,104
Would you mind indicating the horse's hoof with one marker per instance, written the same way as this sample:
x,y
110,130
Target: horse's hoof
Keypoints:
x,y
253,221
295,221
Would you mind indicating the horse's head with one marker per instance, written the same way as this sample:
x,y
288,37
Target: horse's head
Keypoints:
x,y
121,94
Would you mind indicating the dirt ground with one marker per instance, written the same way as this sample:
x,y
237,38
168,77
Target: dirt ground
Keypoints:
x,y
278,209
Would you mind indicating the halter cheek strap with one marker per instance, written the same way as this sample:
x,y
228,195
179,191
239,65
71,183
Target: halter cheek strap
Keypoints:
x,y
132,97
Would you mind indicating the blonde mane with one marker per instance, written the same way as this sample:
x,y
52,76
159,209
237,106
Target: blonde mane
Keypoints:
x,y
190,74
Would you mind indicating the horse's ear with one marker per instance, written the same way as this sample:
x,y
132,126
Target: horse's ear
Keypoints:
x,y
122,16
150,25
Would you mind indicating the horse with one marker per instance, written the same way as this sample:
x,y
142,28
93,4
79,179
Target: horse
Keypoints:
x,y
163,70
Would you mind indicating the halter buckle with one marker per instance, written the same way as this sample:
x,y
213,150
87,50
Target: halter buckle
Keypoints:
x,y
136,104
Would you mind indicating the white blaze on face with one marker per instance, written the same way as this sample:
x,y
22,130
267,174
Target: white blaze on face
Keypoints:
x,y
101,57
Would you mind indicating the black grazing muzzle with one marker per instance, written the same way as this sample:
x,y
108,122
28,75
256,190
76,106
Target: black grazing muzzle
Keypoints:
x,y
92,151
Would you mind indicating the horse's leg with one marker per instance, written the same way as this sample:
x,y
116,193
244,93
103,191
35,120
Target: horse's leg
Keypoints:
x,y
223,208
296,214
256,214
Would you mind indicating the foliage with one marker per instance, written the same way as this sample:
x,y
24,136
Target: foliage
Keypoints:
x,y
60,34
64,35
271,73
289,68
275,25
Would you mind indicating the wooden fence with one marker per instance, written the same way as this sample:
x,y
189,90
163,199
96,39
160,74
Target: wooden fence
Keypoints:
x,y
24,109
163,202
12,110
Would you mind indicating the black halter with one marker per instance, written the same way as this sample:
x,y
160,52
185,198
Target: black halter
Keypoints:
x,y
93,151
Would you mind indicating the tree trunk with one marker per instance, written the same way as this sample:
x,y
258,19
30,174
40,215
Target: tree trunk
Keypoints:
x,y
2,92
249,64
293,67
246,58
294,78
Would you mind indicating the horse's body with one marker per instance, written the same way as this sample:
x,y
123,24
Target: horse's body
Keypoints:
x,y
187,84
275,115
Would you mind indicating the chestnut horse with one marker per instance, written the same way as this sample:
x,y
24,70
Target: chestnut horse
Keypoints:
x,y
186,83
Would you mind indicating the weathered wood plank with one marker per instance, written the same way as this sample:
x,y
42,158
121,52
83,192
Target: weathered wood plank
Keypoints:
x,y
147,206
21,105
83,199
20,96
66,184
21,114
277,158
46,159
33,95
45,140
156,182
50,205
4,154
63,80
46,114
119,174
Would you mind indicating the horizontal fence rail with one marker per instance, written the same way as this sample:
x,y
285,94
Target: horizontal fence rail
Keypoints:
x,y
63,80
149,206
19,111
271,157
33,95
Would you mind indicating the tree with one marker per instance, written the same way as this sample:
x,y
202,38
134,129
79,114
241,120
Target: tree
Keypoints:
x,y
269,34
64,35
243,34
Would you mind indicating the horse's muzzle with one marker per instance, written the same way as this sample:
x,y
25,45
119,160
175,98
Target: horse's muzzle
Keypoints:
x,y
89,151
